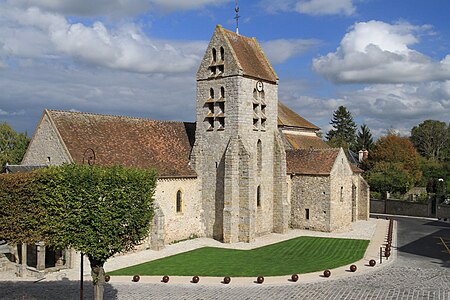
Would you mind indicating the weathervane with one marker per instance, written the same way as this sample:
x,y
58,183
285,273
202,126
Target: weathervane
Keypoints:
x,y
236,9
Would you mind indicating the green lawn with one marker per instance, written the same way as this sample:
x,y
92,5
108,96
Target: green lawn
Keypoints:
x,y
299,255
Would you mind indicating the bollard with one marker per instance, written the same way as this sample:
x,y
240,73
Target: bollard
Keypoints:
x,y
165,279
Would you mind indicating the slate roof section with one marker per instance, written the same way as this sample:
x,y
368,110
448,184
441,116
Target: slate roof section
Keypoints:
x,y
311,162
126,141
298,141
288,117
250,56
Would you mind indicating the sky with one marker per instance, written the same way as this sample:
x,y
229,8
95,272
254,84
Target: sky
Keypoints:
x,y
387,62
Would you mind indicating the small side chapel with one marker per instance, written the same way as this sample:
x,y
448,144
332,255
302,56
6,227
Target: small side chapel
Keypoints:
x,y
247,167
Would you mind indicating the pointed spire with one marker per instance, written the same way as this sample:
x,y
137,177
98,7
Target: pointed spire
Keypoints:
x,y
236,9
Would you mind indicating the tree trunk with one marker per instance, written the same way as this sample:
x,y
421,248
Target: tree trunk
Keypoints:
x,y
98,277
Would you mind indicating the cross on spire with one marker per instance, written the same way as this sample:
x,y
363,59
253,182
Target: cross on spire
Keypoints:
x,y
236,9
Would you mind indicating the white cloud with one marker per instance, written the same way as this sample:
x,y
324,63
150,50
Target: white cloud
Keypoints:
x,y
378,52
173,5
381,106
125,48
325,7
113,7
280,50
99,90
311,7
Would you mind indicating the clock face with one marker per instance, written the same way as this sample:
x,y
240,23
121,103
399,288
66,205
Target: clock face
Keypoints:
x,y
259,86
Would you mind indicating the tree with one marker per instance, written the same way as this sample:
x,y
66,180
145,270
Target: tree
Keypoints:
x,y
431,138
99,211
12,145
394,164
344,128
390,177
397,149
364,139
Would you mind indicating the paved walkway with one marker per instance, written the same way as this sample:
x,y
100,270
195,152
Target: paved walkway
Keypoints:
x,y
420,271
374,230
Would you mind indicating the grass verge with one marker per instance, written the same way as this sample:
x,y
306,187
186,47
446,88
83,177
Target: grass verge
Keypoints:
x,y
299,255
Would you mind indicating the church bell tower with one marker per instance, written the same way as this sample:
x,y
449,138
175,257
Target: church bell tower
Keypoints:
x,y
238,154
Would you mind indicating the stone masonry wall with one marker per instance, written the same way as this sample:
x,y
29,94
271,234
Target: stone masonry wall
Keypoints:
x,y
44,145
310,193
209,151
187,223
341,194
364,199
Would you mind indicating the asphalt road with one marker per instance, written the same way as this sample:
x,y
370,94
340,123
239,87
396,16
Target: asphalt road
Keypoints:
x,y
421,271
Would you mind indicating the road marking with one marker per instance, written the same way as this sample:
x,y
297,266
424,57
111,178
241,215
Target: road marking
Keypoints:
x,y
445,245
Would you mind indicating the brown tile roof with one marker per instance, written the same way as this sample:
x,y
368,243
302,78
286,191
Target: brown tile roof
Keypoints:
x,y
311,162
132,142
288,117
250,56
298,141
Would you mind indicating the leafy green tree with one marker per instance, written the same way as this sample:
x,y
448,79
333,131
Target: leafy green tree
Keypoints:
x,y
393,165
12,145
99,211
431,138
364,139
389,177
344,129
21,211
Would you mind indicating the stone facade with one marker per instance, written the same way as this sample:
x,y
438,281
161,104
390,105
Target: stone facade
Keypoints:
x,y
235,151
185,223
324,202
46,148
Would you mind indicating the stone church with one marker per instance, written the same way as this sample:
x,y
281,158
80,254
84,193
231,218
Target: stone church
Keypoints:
x,y
247,167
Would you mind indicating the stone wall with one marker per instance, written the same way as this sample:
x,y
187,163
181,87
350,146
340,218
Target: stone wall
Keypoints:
x,y
341,186
310,194
443,211
400,207
45,147
226,158
406,208
363,199
187,223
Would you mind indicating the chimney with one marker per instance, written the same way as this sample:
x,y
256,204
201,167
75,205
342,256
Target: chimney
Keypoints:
x,y
363,155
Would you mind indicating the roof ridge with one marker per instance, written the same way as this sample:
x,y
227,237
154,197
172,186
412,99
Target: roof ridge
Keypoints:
x,y
116,116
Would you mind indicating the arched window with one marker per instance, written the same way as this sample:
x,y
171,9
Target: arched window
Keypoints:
x,y
259,154
179,201
214,54
222,54
222,92
211,93
258,196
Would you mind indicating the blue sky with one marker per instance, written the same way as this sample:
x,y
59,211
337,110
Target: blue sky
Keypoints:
x,y
388,62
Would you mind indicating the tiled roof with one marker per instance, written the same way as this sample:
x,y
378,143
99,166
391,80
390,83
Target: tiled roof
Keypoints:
x,y
131,142
298,141
311,162
288,117
250,56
